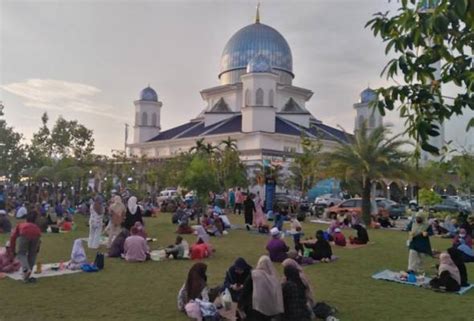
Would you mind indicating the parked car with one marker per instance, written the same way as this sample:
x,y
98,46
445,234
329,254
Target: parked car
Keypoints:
x,y
322,202
450,205
166,195
395,210
353,205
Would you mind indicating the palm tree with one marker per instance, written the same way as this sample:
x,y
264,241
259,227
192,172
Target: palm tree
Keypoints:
x,y
370,156
229,143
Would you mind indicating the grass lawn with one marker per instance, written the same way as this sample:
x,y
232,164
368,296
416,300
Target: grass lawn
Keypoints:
x,y
147,291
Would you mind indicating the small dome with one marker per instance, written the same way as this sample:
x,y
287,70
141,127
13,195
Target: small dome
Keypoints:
x,y
259,63
368,95
148,94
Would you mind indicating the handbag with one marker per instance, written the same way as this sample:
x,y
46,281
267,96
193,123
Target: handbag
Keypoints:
x,y
99,260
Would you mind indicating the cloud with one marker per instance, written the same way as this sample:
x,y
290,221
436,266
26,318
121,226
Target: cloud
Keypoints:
x,y
60,95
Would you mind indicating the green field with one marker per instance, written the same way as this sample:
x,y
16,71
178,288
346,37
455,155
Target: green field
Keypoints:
x,y
147,291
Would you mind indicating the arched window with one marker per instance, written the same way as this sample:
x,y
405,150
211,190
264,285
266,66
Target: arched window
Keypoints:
x,y
144,119
372,121
361,121
270,98
247,97
259,97
137,117
153,120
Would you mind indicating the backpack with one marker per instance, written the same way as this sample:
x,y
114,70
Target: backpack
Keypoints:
x,y
99,261
323,310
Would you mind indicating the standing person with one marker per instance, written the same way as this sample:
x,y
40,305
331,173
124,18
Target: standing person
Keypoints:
x,y
95,223
261,298
5,225
134,213
117,214
259,219
29,238
276,247
249,210
232,199
419,244
294,296
239,199
2,198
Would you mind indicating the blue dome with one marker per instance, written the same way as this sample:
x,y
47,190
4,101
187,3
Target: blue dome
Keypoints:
x,y
253,40
259,63
148,94
368,95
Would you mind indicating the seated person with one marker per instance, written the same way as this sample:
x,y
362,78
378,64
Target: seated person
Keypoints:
x,y
448,277
21,212
457,257
195,286
116,249
462,238
362,235
449,225
176,250
339,238
384,219
78,256
321,249
135,247
183,227
437,228
200,250
301,260
141,230
8,262
235,278
467,252
65,225
5,224
276,247
332,226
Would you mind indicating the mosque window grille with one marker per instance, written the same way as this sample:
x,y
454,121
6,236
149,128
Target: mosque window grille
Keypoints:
x,y
144,119
259,97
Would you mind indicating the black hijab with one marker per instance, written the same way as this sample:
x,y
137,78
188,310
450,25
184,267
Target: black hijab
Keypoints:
x,y
457,258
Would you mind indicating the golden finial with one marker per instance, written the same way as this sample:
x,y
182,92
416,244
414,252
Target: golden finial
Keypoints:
x,y
257,16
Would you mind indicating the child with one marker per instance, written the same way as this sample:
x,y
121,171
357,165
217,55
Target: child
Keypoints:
x,y
66,225
296,239
176,250
339,238
278,217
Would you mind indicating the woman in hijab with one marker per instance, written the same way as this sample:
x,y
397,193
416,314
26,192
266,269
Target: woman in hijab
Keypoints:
x,y
78,256
419,244
195,286
321,249
202,234
117,214
294,296
259,216
236,276
457,258
362,235
261,298
117,247
95,223
449,226
304,279
140,230
134,213
448,277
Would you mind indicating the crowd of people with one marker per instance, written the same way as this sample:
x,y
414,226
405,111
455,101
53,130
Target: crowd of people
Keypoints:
x,y
256,293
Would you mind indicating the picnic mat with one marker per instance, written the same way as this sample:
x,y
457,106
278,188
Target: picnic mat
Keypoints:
x,y
356,246
45,272
388,275
103,240
319,221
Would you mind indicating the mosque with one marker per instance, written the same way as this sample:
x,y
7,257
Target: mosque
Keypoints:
x,y
256,104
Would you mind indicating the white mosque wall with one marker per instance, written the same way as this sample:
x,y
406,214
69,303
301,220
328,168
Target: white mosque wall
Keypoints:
x,y
258,118
300,119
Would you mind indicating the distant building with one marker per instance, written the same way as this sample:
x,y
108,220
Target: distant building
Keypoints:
x,y
256,104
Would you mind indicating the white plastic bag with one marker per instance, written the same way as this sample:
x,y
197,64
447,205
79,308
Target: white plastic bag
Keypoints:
x,y
227,299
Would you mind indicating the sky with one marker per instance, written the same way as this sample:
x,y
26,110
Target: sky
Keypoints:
x,y
88,60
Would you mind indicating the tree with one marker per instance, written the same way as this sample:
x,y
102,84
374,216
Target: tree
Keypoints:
x,y
421,35
464,168
12,151
306,166
39,151
69,138
429,197
370,156
200,177
229,144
